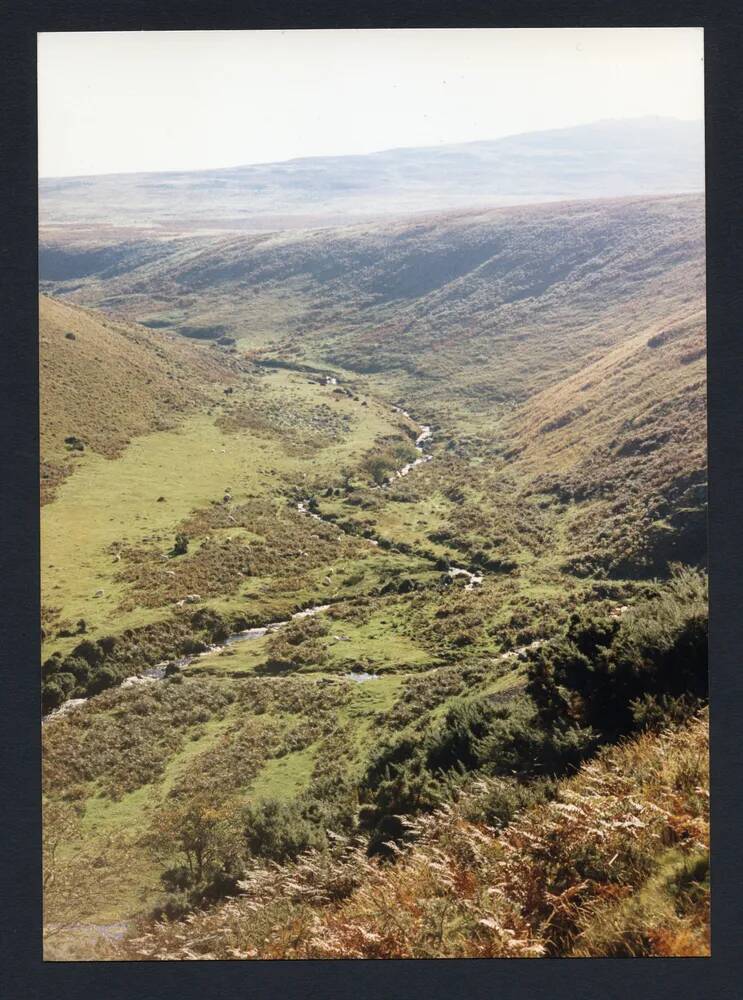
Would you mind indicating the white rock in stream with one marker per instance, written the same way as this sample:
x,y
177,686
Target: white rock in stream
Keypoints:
x,y
473,579
302,508
137,680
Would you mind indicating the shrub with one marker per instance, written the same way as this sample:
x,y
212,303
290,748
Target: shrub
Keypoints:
x,y
458,741
103,679
397,784
79,668
89,651
280,831
108,644
52,695
602,671
204,831
502,799
181,544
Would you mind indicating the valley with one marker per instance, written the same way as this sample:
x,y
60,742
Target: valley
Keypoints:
x,y
342,527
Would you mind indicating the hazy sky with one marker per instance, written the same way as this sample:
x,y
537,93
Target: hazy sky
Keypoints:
x,y
113,102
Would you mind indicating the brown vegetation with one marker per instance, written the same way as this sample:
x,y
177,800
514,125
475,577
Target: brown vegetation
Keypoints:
x,y
614,866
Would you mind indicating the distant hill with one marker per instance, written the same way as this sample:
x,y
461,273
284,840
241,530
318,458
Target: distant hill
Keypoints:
x,y
604,159
498,302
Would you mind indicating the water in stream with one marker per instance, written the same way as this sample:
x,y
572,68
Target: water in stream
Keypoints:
x,y
158,672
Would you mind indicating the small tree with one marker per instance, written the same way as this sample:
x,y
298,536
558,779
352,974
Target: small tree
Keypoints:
x,y
203,831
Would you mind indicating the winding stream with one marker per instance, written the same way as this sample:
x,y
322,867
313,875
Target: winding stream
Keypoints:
x,y
425,434
158,672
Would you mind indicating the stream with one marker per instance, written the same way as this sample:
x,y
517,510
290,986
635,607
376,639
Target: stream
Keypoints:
x,y
158,672
425,435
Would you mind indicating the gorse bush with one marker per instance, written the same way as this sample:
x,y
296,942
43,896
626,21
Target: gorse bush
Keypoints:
x,y
280,831
416,774
106,662
180,546
604,677
595,674
384,461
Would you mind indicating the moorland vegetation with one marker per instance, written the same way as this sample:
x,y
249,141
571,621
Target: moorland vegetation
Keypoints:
x,y
334,711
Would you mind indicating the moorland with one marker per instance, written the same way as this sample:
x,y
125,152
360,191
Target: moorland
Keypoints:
x,y
373,573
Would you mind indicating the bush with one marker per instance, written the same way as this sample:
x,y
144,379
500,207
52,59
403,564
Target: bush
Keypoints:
x,y
458,741
89,651
108,644
614,676
212,622
297,645
52,696
397,784
181,544
280,831
505,798
105,678
79,668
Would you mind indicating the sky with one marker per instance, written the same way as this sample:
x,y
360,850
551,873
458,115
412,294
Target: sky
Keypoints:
x,y
122,102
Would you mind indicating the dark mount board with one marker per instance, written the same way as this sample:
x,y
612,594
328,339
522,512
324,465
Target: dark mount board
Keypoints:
x,y
22,973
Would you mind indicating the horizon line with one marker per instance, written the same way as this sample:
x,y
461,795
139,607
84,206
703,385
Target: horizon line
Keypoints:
x,y
374,152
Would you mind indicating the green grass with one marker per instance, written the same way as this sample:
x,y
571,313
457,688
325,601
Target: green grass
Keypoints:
x,y
107,502
376,645
283,777
110,501
406,523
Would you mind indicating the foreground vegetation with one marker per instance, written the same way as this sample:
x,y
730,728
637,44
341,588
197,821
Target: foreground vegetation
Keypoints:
x,y
313,780
615,865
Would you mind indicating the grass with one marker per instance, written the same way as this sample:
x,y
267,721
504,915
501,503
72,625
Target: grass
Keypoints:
x,y
283,777
104,382
377,645
406,522
114,503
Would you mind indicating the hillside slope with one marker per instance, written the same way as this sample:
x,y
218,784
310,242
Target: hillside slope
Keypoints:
x,y
364,619
602,159
563,879
558,347
104,382
625,438
489,305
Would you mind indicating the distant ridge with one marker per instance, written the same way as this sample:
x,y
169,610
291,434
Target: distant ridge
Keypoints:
x,y
607,158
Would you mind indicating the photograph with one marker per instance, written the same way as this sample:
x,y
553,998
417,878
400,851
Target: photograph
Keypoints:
x,y
372,371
